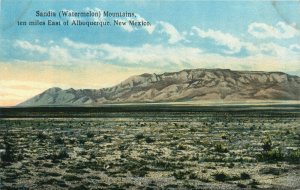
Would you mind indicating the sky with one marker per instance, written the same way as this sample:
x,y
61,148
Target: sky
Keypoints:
x,y
236,35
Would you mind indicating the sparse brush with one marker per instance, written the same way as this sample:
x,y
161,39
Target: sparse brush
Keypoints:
x,y
59,140
42,136
245,175
267,144
149,140
180,174
90,134
60,155
220,148
221,176
139,136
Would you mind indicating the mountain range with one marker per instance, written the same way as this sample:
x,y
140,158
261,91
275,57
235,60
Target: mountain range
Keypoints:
x,y
185,85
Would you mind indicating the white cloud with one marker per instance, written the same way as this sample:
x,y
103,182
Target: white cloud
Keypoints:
x,y
56,54
171,31
235,45
280,31
148,29
95,66
29,46
127,27
146,55
74,45
97,19
273,49
232,43
161,58
68,52
59,55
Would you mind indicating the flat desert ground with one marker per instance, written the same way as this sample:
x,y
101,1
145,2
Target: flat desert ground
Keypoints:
x,y
151,147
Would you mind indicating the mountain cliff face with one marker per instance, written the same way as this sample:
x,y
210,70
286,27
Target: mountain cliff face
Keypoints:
x,y
185,85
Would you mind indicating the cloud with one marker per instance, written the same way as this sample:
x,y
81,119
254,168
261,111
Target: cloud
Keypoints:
x,y
82,65
55,53
170,30
149,28
59,55
138,18
147,55
161,27
163,56
68,52
29,46
224,39
273,49
236,45
280,31
127,27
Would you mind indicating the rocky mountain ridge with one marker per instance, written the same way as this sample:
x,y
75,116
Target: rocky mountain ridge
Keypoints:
x,y
185,85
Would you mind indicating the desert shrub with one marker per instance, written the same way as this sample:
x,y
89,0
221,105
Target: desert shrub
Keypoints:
x,y
240,185
60,155
293,156
139,136
220,148
9,154
150,140
122,147
180,174
221,176
53,181
254,183
245,175
181,147
81,140
80,187
204,179
171,186
193,176
271,155
267,144
72,141
193,129
287,132
224,136
127,185
90,134
252,128
58,140
48,165
93,155
231,165
71,178
140,172
107,139
47,174
166,166
273,171
41,136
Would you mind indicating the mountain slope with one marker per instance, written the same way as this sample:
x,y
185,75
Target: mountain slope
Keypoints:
x,y
185,85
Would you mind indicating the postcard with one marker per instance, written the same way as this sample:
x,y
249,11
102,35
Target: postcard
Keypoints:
x,y
144,94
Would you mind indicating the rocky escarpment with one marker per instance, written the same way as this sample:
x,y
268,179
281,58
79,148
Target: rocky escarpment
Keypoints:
x,y
185,85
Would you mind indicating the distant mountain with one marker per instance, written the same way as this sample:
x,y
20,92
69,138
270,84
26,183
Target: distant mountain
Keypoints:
x,y
185,85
